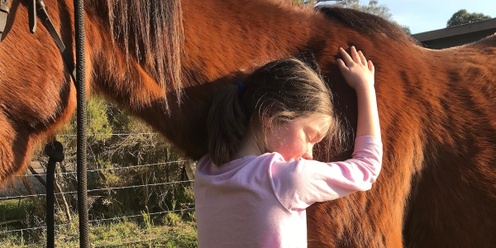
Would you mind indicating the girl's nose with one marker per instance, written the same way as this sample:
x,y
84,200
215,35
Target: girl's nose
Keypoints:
x,y
308,153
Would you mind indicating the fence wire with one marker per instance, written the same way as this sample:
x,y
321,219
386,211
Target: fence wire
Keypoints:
x,y
161,189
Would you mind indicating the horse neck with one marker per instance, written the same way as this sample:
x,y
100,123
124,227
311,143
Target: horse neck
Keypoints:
x,y
226,36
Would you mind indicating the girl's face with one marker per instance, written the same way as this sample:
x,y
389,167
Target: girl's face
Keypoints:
x,y
296,139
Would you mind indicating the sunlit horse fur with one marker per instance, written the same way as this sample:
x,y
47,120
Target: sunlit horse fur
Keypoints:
x,y
438,185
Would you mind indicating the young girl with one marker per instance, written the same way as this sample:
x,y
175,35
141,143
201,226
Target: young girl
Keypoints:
x,y
254,186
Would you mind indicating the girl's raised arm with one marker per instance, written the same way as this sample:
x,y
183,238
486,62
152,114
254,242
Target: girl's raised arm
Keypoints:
x,y
359,74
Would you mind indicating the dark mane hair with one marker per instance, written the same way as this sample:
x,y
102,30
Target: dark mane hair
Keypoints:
x,y
149,32
366,23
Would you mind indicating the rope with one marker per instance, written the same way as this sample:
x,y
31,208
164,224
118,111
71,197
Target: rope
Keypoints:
x,y
81,124
55,152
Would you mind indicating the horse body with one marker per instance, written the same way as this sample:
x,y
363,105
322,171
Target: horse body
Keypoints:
x,y
453,195
438,184
37,96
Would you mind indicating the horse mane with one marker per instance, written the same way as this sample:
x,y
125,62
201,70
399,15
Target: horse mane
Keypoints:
x,y
149,32
366,23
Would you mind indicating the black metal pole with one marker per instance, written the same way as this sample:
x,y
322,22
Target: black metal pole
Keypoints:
x,y
81,124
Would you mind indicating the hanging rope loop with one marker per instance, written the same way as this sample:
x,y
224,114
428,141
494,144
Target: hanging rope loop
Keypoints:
x,y
55,151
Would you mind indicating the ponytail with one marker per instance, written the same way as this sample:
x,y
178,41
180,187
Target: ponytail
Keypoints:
x,y
227,123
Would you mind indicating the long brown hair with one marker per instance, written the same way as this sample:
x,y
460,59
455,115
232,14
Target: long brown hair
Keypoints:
x,y
279,92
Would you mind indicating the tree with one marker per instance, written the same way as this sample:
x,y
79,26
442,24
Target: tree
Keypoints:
x,y
463,17
372,8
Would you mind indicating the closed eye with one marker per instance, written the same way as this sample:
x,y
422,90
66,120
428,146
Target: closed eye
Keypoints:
x,y
314,137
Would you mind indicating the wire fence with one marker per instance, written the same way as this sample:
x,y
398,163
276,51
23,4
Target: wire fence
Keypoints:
x,y
144,193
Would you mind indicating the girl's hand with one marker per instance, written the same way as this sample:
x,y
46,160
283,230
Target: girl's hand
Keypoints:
x,y
356,70
359,73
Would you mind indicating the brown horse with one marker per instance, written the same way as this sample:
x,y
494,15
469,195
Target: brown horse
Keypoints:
x,y
163,60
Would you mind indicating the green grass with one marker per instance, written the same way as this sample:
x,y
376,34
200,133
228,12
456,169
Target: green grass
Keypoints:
x,y
14,209
171,230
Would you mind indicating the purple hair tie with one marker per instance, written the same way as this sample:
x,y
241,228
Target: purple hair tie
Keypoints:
x,y
241,87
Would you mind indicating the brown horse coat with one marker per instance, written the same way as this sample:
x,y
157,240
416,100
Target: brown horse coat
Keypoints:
x,y
438,185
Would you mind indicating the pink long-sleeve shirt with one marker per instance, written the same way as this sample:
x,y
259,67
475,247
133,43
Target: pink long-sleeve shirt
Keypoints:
x,y
261,201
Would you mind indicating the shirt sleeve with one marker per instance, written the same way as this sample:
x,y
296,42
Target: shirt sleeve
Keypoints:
x,y
299,183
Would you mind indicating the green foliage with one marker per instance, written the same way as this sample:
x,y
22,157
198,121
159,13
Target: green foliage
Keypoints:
x,y
142,173
12,210
117,145
114,233
147,218
98,122
406,29
17,214
98,125
123,233
172,219
372,8
463,17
